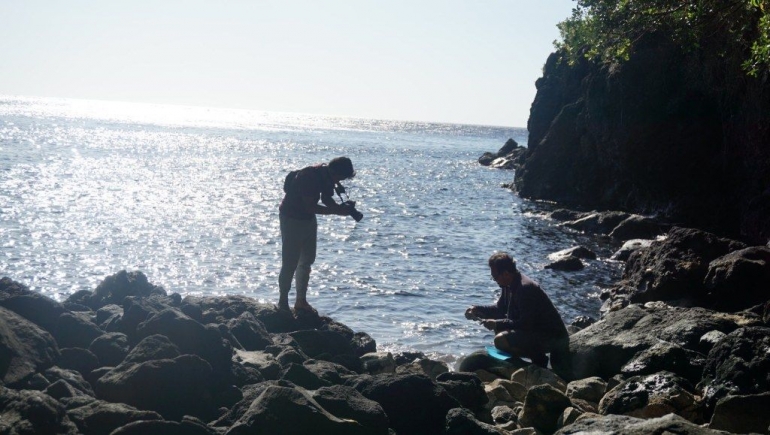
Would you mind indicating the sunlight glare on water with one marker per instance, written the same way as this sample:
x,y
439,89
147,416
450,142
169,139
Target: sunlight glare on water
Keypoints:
x,y
190,196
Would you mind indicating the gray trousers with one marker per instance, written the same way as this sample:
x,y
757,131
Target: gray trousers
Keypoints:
x,y
298,248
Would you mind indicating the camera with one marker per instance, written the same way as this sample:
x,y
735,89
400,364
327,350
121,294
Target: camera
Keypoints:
x,y
350,205
355,214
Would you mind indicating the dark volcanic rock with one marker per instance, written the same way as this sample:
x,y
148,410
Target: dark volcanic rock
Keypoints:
x,y
598,223
461,421
75,330
115,288
637,227
78,359
738,414
314,343
570,264
740,279
110,348
188,426
629,247
152,348
38,309
24,348
466,388
347,403
401,395
101,418
625,425
739,364
249,332
669,357
28,412
543,406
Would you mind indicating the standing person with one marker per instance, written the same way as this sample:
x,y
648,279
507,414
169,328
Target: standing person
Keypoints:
x,y
524,319
299,227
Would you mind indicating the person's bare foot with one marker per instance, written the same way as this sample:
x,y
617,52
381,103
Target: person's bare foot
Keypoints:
x,y
283,305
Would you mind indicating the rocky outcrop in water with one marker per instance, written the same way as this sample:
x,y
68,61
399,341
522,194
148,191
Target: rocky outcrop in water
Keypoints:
x,y
510,156
681,134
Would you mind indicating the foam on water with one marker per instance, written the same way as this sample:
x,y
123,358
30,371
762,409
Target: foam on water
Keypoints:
x,y
190,197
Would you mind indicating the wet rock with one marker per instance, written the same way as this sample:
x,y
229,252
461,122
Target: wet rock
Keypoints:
x,y
401,395
739,280
379,362
110,348
542,408
630,247
170,387
598,223
291,411
33,412
570,264
510,156
738,365
347,403
78,359
653,396
101,418
589,389
622,424
466,388
563,214
576,252
738,414
533,375
33,306
115,288
664,356
637,227
461,421
424,366
24,346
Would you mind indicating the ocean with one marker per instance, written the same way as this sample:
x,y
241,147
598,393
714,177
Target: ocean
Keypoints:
x,y
189,196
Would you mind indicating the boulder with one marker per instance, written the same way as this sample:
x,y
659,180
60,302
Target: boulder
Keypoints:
x,y
401,395
249,332
424,366
653,396
629,247
60,390
101,418
115,288
71,377
665,356
188,426
25,348
738,414
75,330
328,372
570,264
589,389
460,421
598,223
708,340
542,408
170,387
534,375
378,362
33,412
220,309
152,348
574,252
347,403
263,362
292,411
480,360
622,424
738,365
466,388
637,227
299,375
503,391
606,346
78,359
362,344
739,280
110,348
314,343
33,306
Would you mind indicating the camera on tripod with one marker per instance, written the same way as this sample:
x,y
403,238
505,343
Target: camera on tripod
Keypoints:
x,y
350,205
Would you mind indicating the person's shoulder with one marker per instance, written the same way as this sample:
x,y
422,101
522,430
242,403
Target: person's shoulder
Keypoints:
x,y
528,283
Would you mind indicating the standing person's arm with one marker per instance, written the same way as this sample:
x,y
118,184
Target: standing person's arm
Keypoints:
x,y
330,207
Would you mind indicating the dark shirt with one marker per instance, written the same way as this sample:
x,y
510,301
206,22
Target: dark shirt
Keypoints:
x,y
312,181
524,306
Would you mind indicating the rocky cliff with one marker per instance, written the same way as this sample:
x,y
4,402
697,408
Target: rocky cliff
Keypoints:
x,y
685,135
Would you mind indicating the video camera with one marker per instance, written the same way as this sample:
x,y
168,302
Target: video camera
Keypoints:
x,y
351,205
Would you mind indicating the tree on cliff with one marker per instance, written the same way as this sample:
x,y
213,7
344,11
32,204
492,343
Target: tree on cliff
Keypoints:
x,y
609,28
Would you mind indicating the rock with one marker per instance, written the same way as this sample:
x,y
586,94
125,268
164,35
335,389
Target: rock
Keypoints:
x,y
401,395
220,309
569,416
151,348
33,306
622,424
606,346
636,227
115,288
589,389
71,377
347,403
424,366
25,348
566,215
170,387
598,223
110,348
292,411
314,343
739,280
32,412
101,418
249,332
504,414
738,365
630,247
738,414
503,390
571,264
533,375
362,344
379,362
188,426
75,330
61,389
574,252
709,339
664,356
542,408
480,360
263,362
460,421
582,322
290,355
299,375
329,372
653,396
78,359
675,268
466,388
105,314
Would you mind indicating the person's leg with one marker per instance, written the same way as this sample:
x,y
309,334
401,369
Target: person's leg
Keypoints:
x,y
306,260
291,248
560,357
522,344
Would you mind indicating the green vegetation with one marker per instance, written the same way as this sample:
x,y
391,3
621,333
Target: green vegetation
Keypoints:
x,y
606,30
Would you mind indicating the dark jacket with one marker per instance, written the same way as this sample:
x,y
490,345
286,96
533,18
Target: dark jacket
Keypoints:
x,y
312,181
524,306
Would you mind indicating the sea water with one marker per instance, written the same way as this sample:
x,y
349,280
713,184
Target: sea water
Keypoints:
x,y
189,196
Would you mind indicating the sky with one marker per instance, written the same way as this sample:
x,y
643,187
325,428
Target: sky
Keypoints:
x,y
467,62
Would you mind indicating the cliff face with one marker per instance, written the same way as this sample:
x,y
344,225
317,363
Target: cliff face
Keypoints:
x,y
681,134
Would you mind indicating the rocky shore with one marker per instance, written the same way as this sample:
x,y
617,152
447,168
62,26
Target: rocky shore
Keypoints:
x,y
683,346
